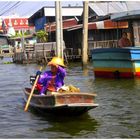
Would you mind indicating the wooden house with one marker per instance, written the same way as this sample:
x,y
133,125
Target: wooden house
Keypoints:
x,y
44,19
133,18
46,15
102,31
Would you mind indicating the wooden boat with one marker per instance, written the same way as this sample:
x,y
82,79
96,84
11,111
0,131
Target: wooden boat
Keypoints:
x,y
116,62
62,103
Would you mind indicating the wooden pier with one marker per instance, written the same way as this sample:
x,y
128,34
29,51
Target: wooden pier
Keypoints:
x,y
43,52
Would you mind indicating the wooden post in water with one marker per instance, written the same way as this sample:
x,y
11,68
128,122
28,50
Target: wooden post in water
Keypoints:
x,y
59,32
85,36
23,45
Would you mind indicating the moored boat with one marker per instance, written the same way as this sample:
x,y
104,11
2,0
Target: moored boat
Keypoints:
x,y
62,103
116,62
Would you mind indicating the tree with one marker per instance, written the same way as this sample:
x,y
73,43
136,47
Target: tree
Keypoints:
x,y
42,36
20,34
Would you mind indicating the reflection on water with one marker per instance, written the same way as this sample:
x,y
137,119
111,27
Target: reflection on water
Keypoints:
x,y
117,115
69,127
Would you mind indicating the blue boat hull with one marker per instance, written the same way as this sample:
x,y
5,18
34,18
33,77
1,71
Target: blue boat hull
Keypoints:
x,y
116,62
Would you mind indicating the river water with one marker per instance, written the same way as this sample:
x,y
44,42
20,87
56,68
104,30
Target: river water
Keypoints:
x,y
117,116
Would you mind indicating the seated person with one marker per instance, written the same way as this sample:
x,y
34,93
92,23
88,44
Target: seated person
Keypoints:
x,y
52,80
124,41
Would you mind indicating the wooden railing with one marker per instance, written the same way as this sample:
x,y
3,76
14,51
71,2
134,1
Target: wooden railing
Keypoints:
x,y
103,44
45,51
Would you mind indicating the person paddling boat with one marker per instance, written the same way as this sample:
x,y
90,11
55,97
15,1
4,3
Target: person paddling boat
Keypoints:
x,y
52,80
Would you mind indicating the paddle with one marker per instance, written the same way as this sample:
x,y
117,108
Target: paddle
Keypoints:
x,y
32,91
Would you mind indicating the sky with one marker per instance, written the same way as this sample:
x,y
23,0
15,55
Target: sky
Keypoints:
x,y
28,8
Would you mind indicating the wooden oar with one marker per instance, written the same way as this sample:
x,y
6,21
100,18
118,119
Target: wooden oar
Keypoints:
x,y
32,91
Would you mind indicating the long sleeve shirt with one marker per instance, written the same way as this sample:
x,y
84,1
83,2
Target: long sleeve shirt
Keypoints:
x,y
124,42
46,78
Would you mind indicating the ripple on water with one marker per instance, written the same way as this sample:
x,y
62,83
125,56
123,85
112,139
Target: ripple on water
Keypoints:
x,y
116,117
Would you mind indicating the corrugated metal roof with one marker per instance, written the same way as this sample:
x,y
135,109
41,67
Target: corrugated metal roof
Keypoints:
x,y
135,14
106,24
66,11
109,7
50,27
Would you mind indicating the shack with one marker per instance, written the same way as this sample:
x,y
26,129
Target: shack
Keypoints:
x,y
46,15
5,44
23,48
133,18
102,31
44,19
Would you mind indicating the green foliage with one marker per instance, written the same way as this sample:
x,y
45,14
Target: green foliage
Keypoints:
x,y
19,34
42,36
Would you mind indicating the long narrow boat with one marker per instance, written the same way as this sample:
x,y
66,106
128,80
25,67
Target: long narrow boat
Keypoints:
x,y
116,62
62,103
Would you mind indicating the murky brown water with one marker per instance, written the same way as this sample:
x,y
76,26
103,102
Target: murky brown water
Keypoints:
x,y
118,114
